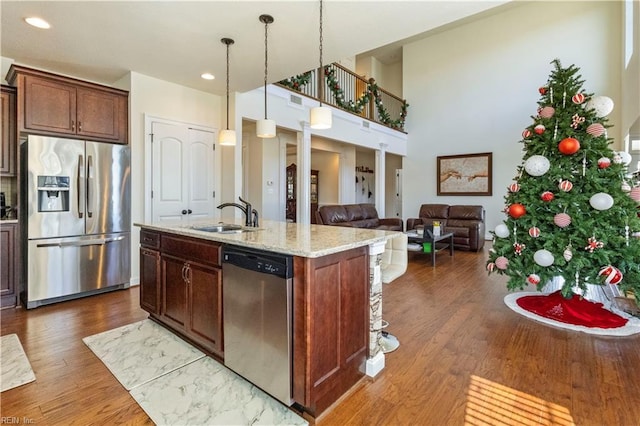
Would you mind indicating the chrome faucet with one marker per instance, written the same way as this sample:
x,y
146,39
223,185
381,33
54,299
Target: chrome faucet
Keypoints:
x,y
250,214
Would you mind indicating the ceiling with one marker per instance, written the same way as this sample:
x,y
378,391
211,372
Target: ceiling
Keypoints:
x,y
177,41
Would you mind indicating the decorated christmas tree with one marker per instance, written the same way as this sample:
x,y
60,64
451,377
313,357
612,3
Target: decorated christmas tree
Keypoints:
x,y
568,211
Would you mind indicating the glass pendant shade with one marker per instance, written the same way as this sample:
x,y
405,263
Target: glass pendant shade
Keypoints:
x,y
320,118
227,137
266,128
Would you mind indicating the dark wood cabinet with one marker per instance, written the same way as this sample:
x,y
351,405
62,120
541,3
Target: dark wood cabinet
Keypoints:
x,y
9,141
8,265
62,106
331,324
181,286
291,191
150,271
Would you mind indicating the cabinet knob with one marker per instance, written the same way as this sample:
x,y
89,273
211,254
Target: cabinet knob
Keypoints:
x,y
79,126
73,126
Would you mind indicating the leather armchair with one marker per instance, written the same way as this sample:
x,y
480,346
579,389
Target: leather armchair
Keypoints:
x,y
467,223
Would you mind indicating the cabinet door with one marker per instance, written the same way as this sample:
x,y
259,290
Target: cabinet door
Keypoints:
x,y
150,280
9,142
49,106
174,291
331,302
205,306
7,265
99,114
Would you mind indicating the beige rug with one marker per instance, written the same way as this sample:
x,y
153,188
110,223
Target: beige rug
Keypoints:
x,y
15,369
176,384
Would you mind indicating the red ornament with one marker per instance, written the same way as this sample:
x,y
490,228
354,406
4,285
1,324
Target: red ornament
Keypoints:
x,y
596,129
547,196
547,112
604,162
533,279
562,220
514,187
593,244
565,185
517,210
526,133
534,232
569,146
611,274
578,98
542,90
518,247
491,266
539,129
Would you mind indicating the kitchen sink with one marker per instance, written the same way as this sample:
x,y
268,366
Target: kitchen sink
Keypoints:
x,y
224,228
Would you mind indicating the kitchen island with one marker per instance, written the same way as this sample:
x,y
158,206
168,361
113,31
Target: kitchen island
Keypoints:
x,y
336,296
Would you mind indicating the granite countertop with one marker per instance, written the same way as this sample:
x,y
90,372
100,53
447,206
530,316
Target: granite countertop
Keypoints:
x,y
281,237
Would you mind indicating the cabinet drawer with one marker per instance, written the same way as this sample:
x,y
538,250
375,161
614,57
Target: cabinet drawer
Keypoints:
x,y
192,249
149,239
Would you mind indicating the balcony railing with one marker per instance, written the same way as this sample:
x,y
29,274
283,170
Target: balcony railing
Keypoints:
x,y
345,90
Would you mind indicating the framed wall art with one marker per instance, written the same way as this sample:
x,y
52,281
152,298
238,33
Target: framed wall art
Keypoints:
x,y
467,174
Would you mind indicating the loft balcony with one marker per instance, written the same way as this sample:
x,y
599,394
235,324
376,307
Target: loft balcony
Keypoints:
x,y
350,92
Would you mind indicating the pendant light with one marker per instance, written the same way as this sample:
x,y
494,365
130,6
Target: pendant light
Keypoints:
x,y
320,117
266,128
227,137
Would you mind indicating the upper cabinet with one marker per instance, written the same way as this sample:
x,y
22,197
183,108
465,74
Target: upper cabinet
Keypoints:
x,y
54,105
9,141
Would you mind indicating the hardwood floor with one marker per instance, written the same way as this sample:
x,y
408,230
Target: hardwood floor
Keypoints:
x,y
465,358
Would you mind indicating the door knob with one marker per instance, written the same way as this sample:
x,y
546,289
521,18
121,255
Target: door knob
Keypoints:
x,y
184,212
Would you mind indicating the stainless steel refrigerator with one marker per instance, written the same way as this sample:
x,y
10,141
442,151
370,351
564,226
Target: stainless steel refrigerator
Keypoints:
x,y
77,211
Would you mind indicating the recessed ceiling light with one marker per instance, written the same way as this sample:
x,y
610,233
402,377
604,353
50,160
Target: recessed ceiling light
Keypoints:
x,y
37,22
208,76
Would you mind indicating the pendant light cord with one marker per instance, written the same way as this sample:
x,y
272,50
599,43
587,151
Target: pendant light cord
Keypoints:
x,y
227,43
320,69
266,24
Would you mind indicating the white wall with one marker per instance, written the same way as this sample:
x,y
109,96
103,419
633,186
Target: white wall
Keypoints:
x,y
148,95
474,88
328,166
631,69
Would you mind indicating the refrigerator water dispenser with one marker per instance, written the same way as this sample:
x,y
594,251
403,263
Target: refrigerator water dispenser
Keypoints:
x,y
53,193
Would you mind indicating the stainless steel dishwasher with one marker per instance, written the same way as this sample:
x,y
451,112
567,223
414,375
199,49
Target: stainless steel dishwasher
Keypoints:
x,y
257,312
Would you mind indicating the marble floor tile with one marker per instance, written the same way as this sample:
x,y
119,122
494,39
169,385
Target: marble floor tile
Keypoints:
x,y
15,369
207,393
140,352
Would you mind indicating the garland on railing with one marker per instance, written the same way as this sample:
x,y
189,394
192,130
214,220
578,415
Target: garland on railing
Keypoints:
x,y
297,82
338,93
383,115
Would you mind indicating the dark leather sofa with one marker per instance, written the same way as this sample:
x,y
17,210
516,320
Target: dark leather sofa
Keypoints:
x,y
466,222
356,216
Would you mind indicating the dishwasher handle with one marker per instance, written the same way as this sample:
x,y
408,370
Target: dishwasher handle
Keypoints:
x,y
280,265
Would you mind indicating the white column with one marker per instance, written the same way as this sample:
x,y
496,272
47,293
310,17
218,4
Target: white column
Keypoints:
x,y
380,178
303,198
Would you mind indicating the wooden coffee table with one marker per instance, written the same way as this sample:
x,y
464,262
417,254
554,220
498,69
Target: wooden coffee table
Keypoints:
x,y
438,243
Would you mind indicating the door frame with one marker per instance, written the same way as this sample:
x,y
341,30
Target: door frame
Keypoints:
x,y
148,158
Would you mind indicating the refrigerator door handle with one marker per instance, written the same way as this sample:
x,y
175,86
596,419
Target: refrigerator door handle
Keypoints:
x,y
79,187
94,242
90,193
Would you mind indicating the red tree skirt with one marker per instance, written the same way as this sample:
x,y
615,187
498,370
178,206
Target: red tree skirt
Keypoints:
x,y
575,311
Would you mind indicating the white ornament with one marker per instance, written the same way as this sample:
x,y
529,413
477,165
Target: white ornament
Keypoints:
x,y
502,230
625,157
537,165
543,258
568,254
601,201
625,186
602,105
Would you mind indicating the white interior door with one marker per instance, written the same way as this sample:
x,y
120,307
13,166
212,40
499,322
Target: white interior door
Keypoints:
x,y
182,172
